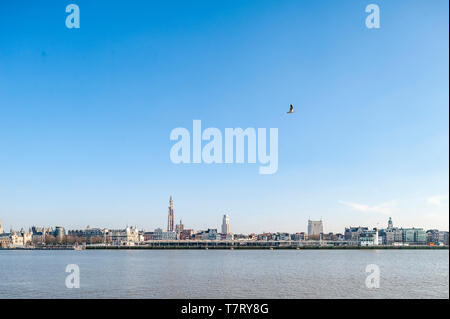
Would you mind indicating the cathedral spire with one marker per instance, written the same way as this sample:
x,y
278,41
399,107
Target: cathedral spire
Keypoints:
x,y
170,218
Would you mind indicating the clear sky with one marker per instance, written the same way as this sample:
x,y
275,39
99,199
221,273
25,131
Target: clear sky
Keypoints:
x,y
85,114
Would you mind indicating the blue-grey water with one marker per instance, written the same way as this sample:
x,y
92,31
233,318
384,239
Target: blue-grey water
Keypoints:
x,y
225,274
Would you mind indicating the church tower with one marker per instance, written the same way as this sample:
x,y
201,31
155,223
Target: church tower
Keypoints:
x,y
390,224
170,219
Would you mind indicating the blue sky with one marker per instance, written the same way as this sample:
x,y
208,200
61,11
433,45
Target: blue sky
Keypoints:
x,y
85,114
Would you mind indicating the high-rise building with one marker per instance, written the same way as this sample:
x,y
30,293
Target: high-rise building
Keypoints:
x,y
60,232
1,227
170,219
225,225
315,227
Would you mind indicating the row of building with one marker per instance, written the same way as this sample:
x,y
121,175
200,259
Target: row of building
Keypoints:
x,y
395,236
360,236
33,235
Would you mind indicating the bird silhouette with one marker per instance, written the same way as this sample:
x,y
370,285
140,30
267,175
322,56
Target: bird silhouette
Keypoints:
x,y
291,109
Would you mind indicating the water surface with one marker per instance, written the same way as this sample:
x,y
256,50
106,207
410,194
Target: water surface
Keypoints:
x,y
225,273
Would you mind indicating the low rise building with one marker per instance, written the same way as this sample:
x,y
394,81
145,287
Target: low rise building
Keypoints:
x,y
415,236
298,236
368,238
160,234
437,237
127,236
16,238
210,234
87,233
39,234
353,233
186,234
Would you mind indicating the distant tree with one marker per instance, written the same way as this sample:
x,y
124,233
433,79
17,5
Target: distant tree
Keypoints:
x,y
97,240
70,240
314,237
50,240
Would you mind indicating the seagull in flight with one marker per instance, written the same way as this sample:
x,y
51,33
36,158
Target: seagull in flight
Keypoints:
x,y
291,109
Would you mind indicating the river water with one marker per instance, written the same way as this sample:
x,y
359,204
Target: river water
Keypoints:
x,y
225,273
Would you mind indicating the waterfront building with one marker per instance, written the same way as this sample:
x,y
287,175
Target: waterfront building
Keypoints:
x,y
443,237
353,233
86,233
437,237
368,238
283,236
390,237
60,233
408,235
186,234
266,236
386,236
315,228
329,236
179,228
160,234
241,237
225,225
298,236
21,238
170,217
39,234
390,224
210,234
141,236
5,241
433,236
127,236
5,238
415,236
16,238
148,236
226,236
420,237
252,236
398,235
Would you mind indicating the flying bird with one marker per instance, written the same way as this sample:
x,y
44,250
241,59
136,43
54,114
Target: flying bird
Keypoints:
x,y
291,109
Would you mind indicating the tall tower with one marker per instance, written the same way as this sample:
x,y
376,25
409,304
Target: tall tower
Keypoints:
x,y
225,225
170,219
390,224
315,227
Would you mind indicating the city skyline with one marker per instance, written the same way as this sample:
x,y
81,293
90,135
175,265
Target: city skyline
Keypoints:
x,y
179,236
313,228
302,227
86,114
